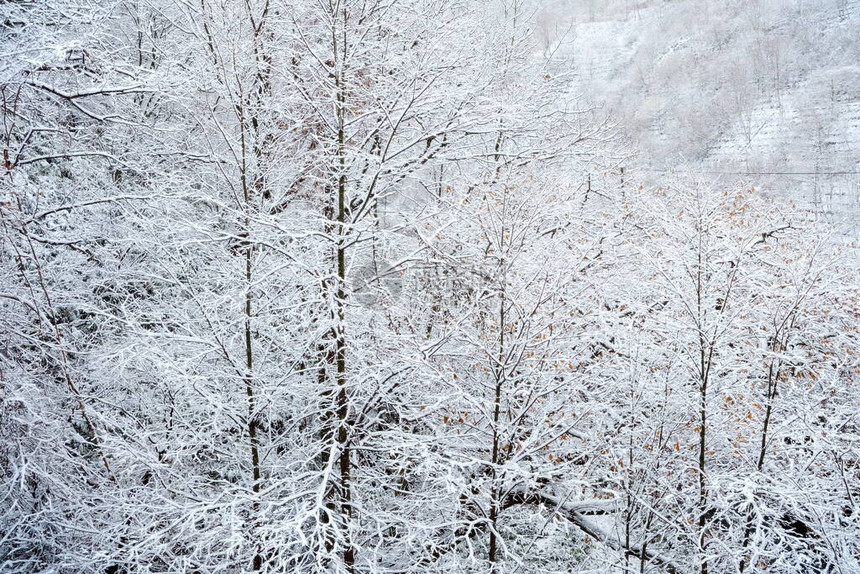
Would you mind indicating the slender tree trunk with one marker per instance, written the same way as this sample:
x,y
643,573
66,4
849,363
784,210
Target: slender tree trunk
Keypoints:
x,y
495,491
703,410
344,461
773,372
249,389
342,396
703,497
248,337
249,104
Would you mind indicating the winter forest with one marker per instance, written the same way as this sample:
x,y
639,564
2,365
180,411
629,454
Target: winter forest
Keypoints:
x,y
430,286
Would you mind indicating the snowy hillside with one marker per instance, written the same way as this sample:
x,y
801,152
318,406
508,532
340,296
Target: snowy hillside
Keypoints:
x,y
753,88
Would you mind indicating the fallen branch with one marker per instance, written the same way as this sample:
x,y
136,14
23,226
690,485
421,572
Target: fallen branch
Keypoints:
x,y
574,512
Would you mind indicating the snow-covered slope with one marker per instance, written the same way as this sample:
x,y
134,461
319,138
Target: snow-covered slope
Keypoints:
x,y
757,87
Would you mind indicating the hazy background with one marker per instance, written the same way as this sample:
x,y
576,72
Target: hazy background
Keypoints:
x,y
767,91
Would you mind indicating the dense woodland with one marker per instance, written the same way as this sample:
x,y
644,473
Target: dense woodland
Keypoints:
x,y
362,286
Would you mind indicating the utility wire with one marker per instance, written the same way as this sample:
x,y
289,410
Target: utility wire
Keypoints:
x,y
768,172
